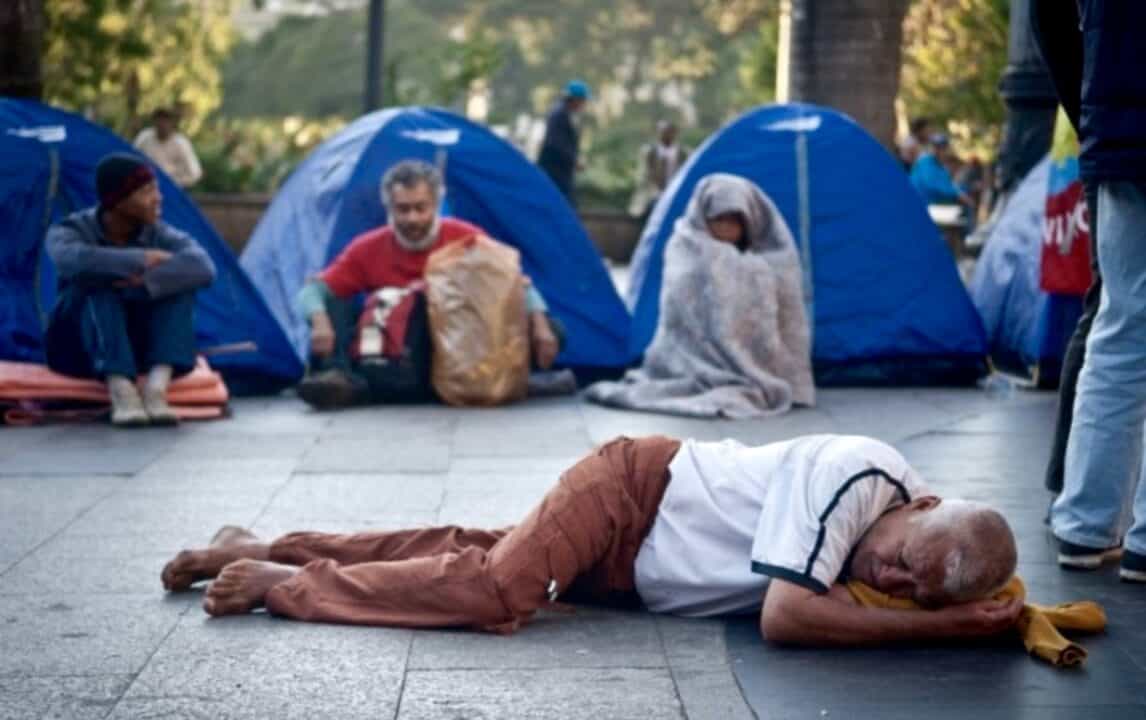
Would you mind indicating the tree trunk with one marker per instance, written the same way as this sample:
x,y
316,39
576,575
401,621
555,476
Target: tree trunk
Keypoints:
x,y
22,28
846,54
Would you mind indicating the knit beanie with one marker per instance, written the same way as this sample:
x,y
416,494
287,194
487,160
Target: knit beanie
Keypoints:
x,y
119,175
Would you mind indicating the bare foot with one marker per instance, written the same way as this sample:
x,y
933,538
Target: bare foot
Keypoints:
x,y
243,585
231,543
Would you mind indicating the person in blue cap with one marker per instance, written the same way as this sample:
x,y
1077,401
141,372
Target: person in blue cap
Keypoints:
x,y
560,151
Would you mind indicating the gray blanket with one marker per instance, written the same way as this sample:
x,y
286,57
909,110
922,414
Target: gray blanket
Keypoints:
x,y
733,338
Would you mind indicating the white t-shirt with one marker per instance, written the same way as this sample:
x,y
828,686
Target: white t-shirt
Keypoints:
x,y
175,155
734,516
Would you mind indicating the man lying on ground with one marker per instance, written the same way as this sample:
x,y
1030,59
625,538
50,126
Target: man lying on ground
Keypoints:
x,y
126,298
390,259
692,528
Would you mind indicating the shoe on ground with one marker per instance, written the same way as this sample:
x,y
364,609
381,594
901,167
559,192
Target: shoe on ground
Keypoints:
x,y
127,407
329,389
158,411
1133,567
1080,557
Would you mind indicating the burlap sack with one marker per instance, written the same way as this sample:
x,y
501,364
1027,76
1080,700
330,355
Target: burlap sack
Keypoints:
x,y
476,300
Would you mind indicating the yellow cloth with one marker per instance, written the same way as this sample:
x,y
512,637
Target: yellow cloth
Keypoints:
x,y
1038,625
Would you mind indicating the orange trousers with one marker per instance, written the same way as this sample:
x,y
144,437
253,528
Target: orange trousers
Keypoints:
x,y
580,544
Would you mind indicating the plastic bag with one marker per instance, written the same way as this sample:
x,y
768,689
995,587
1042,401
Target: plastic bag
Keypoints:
x,y
476,298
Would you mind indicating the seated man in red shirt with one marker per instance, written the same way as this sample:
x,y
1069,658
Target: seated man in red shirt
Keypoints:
x,y
393,257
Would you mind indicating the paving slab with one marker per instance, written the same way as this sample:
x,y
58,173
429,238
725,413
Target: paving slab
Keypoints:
x,y
407,451
710,694
77,460
257,667
698,659
545,428
196,446
60,698
569,694
589,638
48,571
273,525
35,508
83,634
331,495
179,477
997,674
158,515
492,499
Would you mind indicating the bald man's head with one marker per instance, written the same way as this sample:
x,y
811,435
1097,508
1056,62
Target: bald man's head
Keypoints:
x,y
937,552
972,543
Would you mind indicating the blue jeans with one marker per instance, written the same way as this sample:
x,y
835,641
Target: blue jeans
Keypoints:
x,y
1103,500
96,332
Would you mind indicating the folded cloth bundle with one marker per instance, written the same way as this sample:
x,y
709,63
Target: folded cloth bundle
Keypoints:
x,y
25,388
1038,625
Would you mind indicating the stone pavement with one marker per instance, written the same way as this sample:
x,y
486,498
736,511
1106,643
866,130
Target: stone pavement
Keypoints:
x,y
88,516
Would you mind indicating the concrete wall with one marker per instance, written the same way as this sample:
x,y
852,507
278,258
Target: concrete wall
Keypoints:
x,y
234,216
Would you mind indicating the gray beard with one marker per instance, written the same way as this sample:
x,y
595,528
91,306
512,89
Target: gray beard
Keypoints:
x,y
423,244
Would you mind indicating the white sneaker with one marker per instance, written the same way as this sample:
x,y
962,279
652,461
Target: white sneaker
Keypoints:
x,y
126,405
155,403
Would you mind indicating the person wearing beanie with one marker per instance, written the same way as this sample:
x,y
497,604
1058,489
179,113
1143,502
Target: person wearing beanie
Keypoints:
x,y
561,148
126,298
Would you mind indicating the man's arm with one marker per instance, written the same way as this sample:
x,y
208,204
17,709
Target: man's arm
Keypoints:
x,y
795,615
189,267
75,258
193,170
311,303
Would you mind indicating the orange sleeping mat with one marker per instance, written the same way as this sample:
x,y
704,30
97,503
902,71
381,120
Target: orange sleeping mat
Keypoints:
x,y
201,394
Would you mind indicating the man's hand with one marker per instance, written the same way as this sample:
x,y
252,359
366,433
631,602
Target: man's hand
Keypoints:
x,y
131,282
151,258
795,615
321,335
981,618
542,340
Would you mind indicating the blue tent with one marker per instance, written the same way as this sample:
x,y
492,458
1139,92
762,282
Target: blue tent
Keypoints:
x,y
25,183
880,283
1027,328
49,171
335,195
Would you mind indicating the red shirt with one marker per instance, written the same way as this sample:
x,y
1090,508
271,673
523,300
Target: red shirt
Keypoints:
x,y
375,260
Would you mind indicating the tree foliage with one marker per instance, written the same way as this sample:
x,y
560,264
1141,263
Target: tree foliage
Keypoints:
x,y
120,59
645,60
313,66
955,52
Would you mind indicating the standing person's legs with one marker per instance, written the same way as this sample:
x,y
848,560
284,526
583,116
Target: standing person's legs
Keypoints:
x,y
1104,452
1075,354
589,529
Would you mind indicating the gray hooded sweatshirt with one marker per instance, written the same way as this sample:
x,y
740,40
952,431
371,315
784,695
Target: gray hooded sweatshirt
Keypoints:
x,y
83,256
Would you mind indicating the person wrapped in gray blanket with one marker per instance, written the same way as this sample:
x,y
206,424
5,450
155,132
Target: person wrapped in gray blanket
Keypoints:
x,y
733,338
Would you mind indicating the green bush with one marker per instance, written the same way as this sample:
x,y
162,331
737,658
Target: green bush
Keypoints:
x,y
256,154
